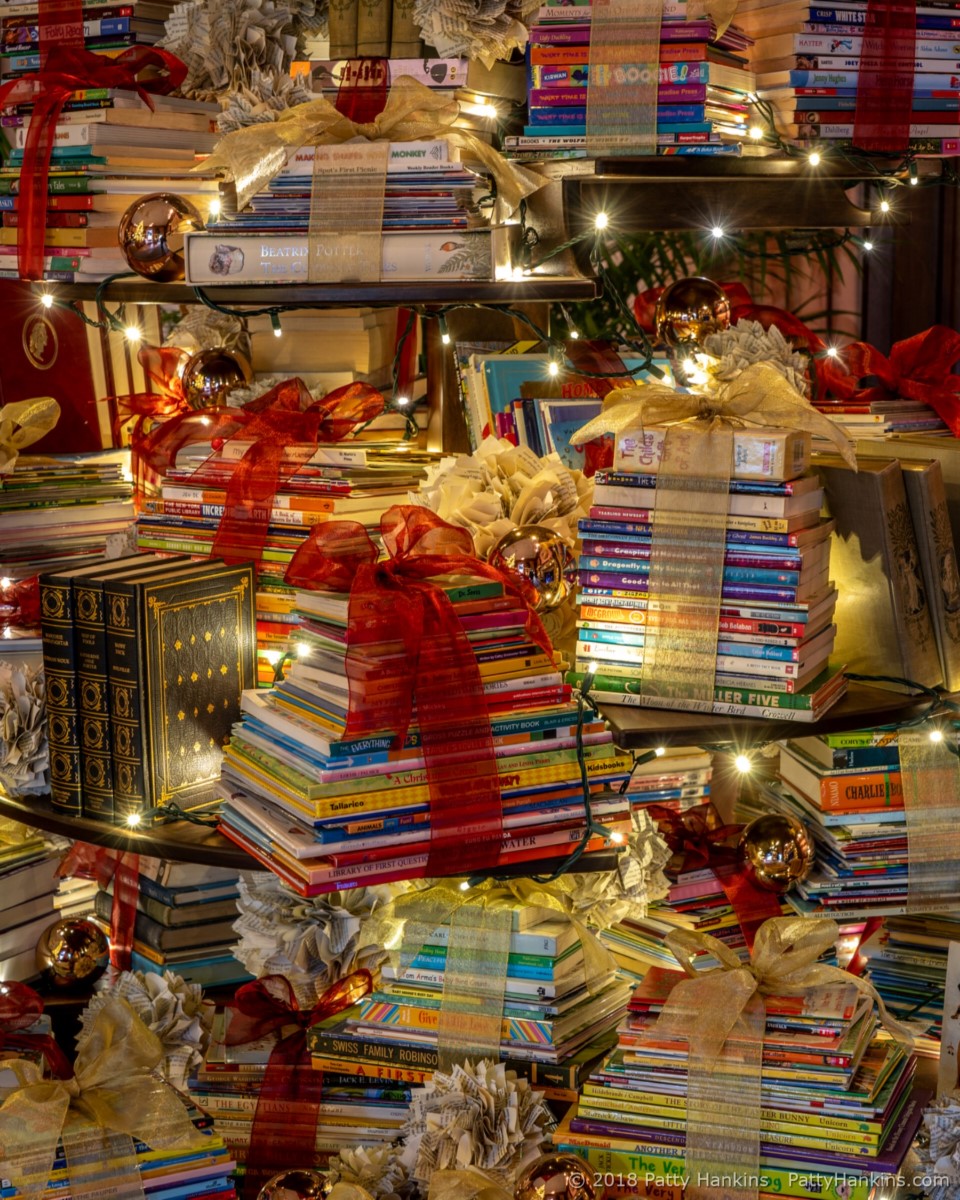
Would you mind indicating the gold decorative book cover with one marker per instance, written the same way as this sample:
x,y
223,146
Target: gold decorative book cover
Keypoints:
x,y
180,650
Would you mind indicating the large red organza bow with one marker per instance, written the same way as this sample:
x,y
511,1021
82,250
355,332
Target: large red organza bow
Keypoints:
x,y
408,657
20,603
700,838
919,368
284,1130
21,1007
68,69
122,868
285,416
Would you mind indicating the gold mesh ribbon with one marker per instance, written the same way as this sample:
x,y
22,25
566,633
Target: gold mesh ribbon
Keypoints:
x,y
346,213
721,1016
13,833
475,971
21,424
252,156
112,1098
930,775
467,1184
623,76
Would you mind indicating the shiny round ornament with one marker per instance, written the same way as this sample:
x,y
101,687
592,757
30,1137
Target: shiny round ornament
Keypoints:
x,y
210,375
689,310
296,1185
542,558
151,235
559,1177
72,953
777,852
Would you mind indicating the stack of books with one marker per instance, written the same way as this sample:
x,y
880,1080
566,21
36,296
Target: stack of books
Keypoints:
x,y
856,818
29,900
109,149
678,777
808,65
776,628
874,419
906,961
344,481
838,1103
184,922
325,811
702,94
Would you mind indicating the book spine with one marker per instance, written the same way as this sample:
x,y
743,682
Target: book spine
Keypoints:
x,y
373,28
324,1043
853,791
404,31
60,671
349,1066
132,788
92,701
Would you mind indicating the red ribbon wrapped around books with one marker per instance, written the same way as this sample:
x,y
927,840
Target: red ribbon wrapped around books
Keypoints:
x,y
21,1007
406,651
68,69
284,1128
699,838
122,868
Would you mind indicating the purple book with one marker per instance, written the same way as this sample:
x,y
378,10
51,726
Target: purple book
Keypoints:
x,y
773,562
731,591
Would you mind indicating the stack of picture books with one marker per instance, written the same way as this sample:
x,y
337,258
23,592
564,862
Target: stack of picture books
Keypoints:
x,y
325,811
874,419
838,1104
29,900
184,922
702,94
350,482
808,63
776,630
676,777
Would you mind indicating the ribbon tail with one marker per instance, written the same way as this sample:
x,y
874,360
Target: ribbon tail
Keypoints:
x,y
31,1120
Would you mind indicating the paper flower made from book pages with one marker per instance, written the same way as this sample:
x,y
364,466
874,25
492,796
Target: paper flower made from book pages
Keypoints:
x,y
602,898
937,1151
727,353
173,1010
485,29
24,749
379,1170
482,1117
312,942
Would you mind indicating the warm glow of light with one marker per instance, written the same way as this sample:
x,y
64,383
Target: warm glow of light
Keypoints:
x,y
518,272
133,333
592,668
574,333
488,110
46,300
402,401
914,181
868,245
272,657
303,650
884,206
134,819
464,885
616,837
717,231
445,338
278,332
814,159
756,132
660,751
936,735
214,209
6,582
553,368
743,763
601,221
832,352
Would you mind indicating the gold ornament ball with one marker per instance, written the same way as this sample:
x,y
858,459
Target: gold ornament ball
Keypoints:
x,y
540,556
559,1177
689,310
72,953
777,851
151,235
296,1185
210,375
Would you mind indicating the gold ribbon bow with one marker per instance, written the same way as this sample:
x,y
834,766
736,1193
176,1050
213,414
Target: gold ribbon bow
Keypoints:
x,y
22,423
113,1091
13,833
758,396
464,1185
252,156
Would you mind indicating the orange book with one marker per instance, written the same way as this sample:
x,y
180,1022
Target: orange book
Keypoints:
x,y
861,793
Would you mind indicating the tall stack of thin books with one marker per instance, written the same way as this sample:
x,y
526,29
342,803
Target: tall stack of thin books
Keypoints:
x,y
29,900
809,62
838,1104
702,91
325,811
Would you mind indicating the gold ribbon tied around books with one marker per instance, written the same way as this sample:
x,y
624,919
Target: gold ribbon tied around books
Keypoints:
x,y
480,919
722,1017
21,424
346,210
112,1098
689,518
930,777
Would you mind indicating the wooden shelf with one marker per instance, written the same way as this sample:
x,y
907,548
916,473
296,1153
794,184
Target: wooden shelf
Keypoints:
x,y
178,840
862,707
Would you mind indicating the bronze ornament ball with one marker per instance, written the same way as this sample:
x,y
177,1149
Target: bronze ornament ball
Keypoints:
x,y
296,1185
777,852
151,235
689,310
542,558
72,953
210,375
559,1177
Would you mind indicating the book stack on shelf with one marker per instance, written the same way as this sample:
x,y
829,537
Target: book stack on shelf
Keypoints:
x,y
347,481
776,630
677,777
873,420
704,83
325,811
184,922
808,65
29,899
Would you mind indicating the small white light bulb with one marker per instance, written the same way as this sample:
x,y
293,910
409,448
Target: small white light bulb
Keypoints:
x,y
402,401
553,368
660,751
717,231
616,838
868,245
743,763
814,159
756,132
832,352
936,735
601,221
445,338
133,333
46,300
134,819
574,333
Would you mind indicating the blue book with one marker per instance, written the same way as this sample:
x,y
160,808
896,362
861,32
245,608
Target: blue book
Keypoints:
x,y
638,567
736,649
734,536
924,85
746,487
849,104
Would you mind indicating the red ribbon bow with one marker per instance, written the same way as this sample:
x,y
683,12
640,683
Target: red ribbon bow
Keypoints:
x,y
699,838
918,368
407,652
123,868
68,69
21,1007
20,604
284,1130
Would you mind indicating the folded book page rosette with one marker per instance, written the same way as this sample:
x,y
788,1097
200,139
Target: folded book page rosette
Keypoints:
x,y
689,518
